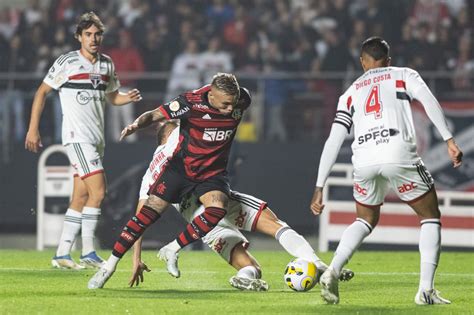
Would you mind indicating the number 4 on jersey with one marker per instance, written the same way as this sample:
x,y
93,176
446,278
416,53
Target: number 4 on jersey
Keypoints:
x,y
373,105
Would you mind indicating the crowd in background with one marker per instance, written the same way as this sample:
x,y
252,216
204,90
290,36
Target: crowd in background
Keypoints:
x,y
193,39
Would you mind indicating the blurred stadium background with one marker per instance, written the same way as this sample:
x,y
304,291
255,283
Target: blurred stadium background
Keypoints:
x,y
296,57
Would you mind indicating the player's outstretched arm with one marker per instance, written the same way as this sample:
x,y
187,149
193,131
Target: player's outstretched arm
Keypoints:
x,y
328,158
33,137
454,152
117,98
422,93
145,119
138,266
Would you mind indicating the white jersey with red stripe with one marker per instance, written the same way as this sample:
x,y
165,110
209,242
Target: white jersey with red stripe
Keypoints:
x,y
82,88
378,105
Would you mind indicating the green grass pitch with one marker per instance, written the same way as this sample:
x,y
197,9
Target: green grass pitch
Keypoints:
x,y
385,283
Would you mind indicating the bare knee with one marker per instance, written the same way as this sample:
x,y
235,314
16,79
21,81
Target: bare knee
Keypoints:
x,y
96,197
369,214
427,206
78,201
373,220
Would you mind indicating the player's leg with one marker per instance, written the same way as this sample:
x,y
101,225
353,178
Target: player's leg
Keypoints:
x,y
249,273
414,185
250,213
369,192
430,248
229,243
165,189
86,158
214,203
294,243
213,194
352,237
96,187
133,230
71,227
151,211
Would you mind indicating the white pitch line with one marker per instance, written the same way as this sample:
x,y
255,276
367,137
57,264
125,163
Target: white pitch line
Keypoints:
x,y
159,270
412,274
83,270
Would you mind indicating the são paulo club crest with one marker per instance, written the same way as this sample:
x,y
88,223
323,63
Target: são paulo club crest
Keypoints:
x,y
95,79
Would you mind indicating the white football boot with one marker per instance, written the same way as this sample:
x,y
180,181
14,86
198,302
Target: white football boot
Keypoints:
x,y
65,262
330,286
248,284
99,279
171,258
429,297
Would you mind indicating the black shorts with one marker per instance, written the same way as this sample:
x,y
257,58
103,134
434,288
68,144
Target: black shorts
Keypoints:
x,y
172,186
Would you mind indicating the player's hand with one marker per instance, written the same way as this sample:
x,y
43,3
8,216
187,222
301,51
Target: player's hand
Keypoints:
x,y
33,141
317,201
128,130
454,153
134,95
137,275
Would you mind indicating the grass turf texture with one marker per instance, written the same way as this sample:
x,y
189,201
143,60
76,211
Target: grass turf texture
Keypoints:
x,y
385,283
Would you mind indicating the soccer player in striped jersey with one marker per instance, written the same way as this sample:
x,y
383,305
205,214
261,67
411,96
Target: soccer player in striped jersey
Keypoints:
x,y
209,117
84,78
378,107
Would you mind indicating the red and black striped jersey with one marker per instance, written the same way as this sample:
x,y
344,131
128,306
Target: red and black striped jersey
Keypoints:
x,y
205,134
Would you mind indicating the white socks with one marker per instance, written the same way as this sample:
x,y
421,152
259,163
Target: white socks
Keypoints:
x,y
111,263
297,246
430,244
350,241
174,245
249,272
90,218
71,227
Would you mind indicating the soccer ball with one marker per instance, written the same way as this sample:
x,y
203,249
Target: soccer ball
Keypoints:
x,y
300,275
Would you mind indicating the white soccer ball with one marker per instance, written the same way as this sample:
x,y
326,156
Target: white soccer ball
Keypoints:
x,y
300,275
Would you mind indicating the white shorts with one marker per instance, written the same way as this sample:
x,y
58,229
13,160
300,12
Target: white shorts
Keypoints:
x,y
224,239
243,211
410,182
85,158
144,187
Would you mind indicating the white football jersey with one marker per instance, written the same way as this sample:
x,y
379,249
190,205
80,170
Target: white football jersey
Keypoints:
x,y
378,104
82,88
